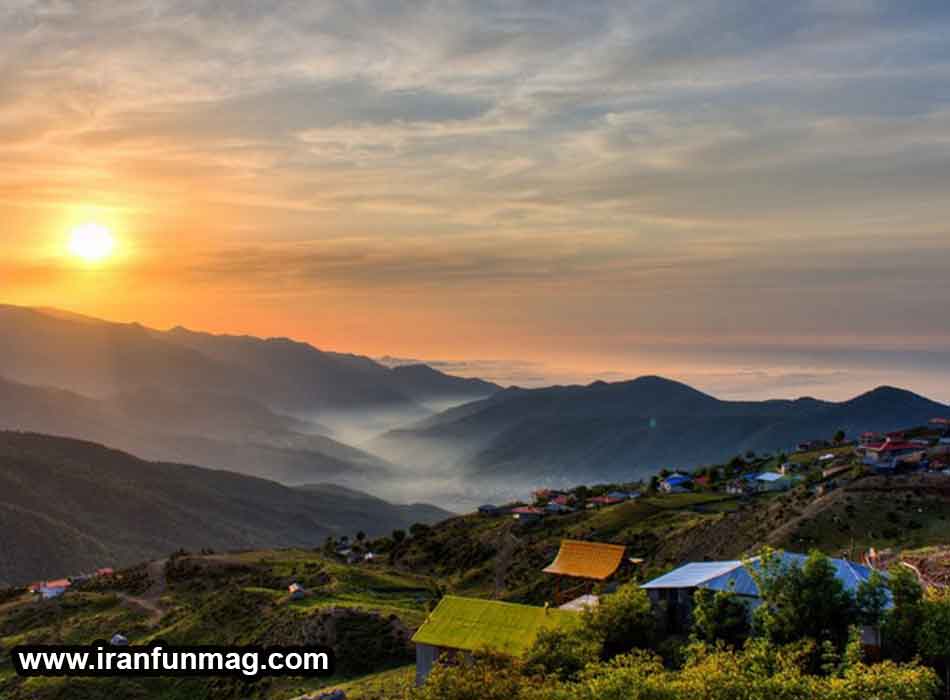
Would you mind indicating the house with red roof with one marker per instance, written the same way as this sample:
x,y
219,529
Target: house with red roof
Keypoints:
x,y
885,456
51,589
598,501
527,514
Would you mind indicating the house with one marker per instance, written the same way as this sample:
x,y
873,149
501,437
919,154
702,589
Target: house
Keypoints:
x,y
884,456
297,592
589,561
565,499
598,501
119,640
673,592
489,510
53,589
676,483
105,571
527,514
772,481
458,627
870,438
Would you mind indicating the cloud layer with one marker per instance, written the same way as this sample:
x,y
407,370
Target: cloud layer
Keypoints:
x,y
573,178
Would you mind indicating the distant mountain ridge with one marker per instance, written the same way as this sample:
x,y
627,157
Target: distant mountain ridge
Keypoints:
x,y
96,358
630,429
217,431
67,506
274,408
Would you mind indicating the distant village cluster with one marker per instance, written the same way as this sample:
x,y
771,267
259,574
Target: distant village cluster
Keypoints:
x,y
821,464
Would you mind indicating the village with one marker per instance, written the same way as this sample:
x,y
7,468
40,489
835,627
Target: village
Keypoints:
x,y
590,570
460,627
820,464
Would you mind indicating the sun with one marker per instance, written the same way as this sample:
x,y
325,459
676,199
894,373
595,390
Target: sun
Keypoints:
x,y
92,242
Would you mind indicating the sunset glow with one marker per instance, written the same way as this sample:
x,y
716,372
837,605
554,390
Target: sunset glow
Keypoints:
x,y
592,187
91,242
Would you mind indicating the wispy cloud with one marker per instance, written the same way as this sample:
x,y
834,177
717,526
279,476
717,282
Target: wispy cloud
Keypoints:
x,y
604,173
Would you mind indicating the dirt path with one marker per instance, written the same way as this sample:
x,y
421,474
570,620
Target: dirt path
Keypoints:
x,y
149,601
506,554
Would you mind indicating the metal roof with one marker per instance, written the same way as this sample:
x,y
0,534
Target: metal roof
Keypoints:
x,y
769,476
592,560
734,576
693,575
472,624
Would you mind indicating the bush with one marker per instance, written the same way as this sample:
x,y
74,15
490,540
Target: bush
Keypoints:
x,y
563,654
758,672
720,616
622,621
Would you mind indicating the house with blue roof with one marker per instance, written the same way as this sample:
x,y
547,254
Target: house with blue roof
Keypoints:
x,y
774,481
674,591
676,483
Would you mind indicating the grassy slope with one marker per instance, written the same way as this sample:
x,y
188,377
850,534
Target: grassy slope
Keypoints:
x,y
241,598
222,599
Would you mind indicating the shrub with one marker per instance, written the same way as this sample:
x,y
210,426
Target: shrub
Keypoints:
x,y
563,654
719,615
622,621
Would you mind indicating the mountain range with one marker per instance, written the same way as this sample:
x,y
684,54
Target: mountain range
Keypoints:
x,y
67,506
99,358
625,430
287,411
251,405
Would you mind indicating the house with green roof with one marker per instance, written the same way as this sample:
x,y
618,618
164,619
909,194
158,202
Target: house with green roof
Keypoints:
x,y
460,626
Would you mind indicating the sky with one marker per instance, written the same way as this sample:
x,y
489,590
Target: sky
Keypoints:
x,y
751,197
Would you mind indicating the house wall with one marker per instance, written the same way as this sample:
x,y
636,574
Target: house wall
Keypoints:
x,y
425,660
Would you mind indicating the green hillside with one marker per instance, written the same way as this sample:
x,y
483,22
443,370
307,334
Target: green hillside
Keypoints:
x,y
373,607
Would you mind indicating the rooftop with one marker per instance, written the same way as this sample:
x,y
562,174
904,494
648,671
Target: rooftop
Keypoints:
x,y
735,576
471,624
591,560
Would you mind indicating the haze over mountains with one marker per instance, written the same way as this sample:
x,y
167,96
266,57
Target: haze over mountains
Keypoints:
x,y
627,430
287,411
219,401
67,506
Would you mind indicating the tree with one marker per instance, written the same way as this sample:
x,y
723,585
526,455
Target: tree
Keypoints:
x,y
419,530
622,620
871,600
839,437
719,616
399,536
360,536
563,653
802,602
934,634
903,621
654,484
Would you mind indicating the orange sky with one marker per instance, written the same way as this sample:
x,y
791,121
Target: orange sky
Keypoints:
x,y
618,188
